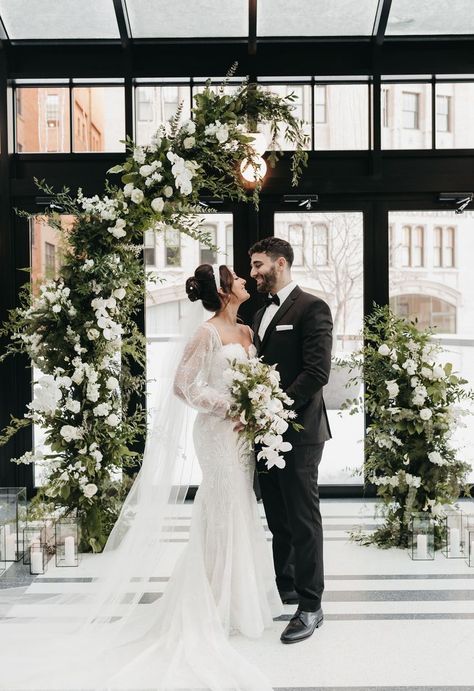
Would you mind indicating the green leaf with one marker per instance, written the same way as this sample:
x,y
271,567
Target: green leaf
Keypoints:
x,y
115,169
129,177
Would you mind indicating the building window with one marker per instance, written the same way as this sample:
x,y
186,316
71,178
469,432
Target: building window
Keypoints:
x,y
405,248
297,242
437,246
172,247
170,101
429,311
49,261
412,246
149,249
144,104
320,105
208,256
384,107
411,111
52,110
320,244
443,113
417,246
229,244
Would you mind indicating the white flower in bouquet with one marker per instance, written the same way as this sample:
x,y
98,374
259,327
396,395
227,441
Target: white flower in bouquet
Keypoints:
x,y
189,142
157,204
118,230
414,381
393,355
56,308
137,196
425,414
112,383
427,373
189,127
436,458
119,293
92,334
438,372
413,347
128,189
47,395
112,420
392,388
146,170
139,155
168,191
89,490
410,366
73,405
69,433
384,349
101,410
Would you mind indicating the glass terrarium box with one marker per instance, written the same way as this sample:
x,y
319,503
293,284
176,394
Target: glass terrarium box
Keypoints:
x,y
33,533
38,558
469,549
67,541
12,522
421,537
454,534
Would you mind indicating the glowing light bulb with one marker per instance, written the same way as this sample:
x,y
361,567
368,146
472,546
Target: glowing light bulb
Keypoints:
x,y
253,171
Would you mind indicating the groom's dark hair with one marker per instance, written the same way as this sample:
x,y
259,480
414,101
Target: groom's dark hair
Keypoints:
x,y
274,247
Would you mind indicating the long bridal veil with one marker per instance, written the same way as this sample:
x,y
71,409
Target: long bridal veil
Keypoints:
x,y
115,629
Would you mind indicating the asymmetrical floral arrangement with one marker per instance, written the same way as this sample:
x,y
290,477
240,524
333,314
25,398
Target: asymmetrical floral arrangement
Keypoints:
x,y
413,407
259,403
79,330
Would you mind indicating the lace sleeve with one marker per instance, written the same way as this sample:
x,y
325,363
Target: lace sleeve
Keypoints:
x,y
191,378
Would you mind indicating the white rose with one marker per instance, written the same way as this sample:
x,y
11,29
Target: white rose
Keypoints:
x,y
137,196
436,458
89,490
392,388
112,420
425,413
168,191
128,189
112,383
145,171
222,134
72,405
56,308
189,142
190,127
438,372
157,205
119,293
426,373
384,349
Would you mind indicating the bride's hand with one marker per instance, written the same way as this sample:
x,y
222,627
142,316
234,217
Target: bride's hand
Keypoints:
x,y
238,427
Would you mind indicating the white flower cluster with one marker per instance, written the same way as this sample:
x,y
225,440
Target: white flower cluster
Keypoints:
x,y
397,480
107,208
103,308
47,395
436,458
266,419
183,172
218,130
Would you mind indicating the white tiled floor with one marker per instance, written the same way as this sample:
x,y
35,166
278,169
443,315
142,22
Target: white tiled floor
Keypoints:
x,y
390,622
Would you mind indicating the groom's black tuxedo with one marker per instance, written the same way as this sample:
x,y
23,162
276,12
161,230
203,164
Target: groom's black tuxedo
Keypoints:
x,y
298,340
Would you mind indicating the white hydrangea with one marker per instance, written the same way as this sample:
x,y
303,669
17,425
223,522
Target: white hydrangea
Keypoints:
x,y
73,405
89,490
112,420
425,414
70,433
101,410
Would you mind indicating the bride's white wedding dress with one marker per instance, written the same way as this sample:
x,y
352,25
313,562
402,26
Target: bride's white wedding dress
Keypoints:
x,y
223,582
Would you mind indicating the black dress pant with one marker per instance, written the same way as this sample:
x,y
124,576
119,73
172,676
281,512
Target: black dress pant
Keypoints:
x,y
291,500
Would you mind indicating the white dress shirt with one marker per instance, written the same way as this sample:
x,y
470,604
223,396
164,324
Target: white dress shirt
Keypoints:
x,y
272,309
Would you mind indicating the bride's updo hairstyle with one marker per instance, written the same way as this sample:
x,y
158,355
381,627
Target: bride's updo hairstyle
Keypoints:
x,y
202,286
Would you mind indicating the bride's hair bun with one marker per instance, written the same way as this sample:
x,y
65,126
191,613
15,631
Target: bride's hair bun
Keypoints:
x,y
202,286
193,289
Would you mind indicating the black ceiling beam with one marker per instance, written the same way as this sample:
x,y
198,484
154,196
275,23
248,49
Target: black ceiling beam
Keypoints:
x,y
381,20
252,27
123,22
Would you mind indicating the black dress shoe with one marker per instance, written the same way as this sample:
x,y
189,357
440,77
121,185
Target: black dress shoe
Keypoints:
x,y
289,597
302,625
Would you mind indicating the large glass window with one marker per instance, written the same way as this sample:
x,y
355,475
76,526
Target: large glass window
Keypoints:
x,y
454,115
406,116
341,117
333,270
208,256
301,109
155,105
439,293
42,120
99,118
172,247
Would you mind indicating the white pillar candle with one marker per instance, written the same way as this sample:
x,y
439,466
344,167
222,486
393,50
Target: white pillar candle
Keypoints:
x,y
10,547
454,543
36,561
422,546
69,556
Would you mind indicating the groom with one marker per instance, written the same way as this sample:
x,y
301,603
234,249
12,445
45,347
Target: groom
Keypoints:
x,y
294,331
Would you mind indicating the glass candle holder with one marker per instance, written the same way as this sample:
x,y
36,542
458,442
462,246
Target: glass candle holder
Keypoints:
x,y
35,531
38,558
12,519
454,534
421,536
67,541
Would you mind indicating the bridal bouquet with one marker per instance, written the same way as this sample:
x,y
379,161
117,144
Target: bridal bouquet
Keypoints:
x,y
259,403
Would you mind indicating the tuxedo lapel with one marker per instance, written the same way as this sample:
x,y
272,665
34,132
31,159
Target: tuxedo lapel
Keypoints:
x,y
256,325
278,316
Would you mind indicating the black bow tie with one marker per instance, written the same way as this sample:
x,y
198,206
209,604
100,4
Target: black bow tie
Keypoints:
x,y
272,300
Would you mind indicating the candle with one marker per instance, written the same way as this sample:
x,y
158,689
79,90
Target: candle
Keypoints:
x,y
69,556
36,561
10,547
454,543
422,546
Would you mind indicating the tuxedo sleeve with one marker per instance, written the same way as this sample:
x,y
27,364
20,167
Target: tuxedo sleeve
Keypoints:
x,y
316,354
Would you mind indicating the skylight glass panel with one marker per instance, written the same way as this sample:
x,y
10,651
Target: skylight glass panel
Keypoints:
x,y
316,17
425,17
184,19
53,19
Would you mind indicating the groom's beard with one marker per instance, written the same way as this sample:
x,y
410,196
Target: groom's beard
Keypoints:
x,y
268,281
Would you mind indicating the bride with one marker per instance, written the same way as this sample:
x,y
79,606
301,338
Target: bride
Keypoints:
x,y
223,582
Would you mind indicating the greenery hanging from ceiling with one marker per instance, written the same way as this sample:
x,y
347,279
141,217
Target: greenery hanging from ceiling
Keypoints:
x,y
80,331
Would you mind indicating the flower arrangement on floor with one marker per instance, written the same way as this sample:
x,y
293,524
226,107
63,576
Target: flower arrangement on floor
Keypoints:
x,y
413,407
80,332
258,401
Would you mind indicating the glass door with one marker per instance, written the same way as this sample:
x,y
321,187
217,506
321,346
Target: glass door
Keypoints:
x,y
329,263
